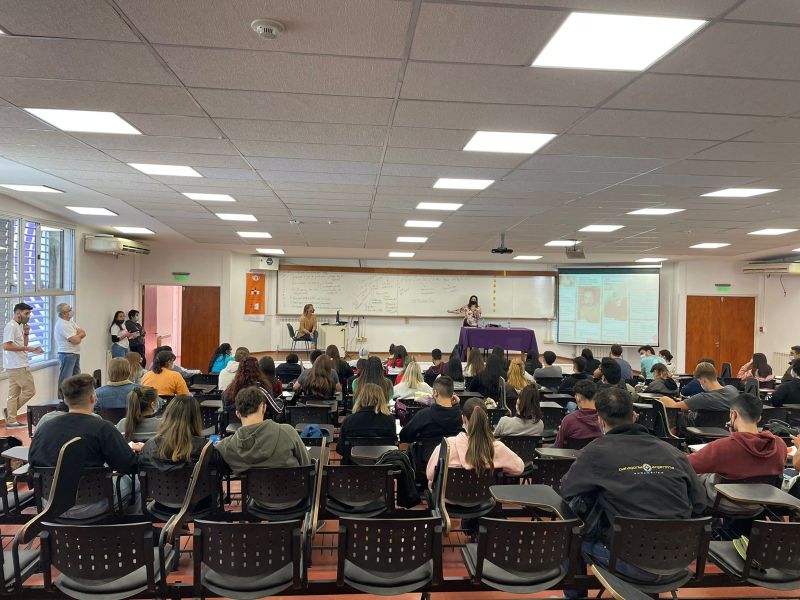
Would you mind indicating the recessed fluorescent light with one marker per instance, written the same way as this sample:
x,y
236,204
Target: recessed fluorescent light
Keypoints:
x,y
601,228
774,231
739,192
650,260
41,189
506,141
411,240
90,121
173,170
47,228
254,234
401,254
270,250
439,206
236,217
90,210
429,224
141,230
527,257
709,245
613,42
796,250
447,183
563,243
209,197
656,211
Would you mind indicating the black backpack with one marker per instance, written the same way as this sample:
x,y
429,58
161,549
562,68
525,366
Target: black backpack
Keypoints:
x,y
407,494
780,428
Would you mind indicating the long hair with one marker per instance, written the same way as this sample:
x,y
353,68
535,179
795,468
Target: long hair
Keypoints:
x,y
453,367
181,423
372,373
475,361
333,353
480,447
114,319
318,383
516,374
493,371
666,355
267,366
528,403
372,396
760,366
412,376
306,307
135,360
163,358
587,354
400,354
223,350
247,374
140,401
471,302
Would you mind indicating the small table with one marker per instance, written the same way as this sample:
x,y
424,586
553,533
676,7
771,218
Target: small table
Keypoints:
x,y
560,399
211,404
650,395
755,493
17,453
202,388
549,404
557,453
368,455
535,495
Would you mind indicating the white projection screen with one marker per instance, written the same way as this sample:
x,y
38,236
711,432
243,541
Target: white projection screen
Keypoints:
x,y
608,306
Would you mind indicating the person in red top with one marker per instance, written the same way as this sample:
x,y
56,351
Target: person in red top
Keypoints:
x,y
746,453
581,425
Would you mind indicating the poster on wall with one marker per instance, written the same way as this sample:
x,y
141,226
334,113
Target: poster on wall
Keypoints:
x,y
255,296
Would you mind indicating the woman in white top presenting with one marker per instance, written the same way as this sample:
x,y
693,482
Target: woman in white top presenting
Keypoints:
x,y
120,337
471,312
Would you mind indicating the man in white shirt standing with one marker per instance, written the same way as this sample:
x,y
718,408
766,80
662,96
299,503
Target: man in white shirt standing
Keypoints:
x,y
15,361
68,338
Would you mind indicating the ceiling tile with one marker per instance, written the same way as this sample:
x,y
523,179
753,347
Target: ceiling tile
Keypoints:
x,y
452,157
598,145
776,11
173,125
754,151
86,19
152,143
309,151
598,164
673,8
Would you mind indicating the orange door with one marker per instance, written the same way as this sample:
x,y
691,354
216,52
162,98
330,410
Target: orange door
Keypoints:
x,y
199,326
737,330
720,327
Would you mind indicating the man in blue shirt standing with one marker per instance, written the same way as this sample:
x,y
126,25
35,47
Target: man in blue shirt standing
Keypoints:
x,y
648,359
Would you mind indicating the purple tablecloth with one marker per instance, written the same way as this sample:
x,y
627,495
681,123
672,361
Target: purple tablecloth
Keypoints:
x,y
515,338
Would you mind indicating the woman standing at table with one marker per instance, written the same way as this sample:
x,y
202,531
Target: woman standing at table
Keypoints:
x,y
471,312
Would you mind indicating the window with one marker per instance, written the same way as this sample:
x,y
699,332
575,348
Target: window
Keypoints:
x,y
37,266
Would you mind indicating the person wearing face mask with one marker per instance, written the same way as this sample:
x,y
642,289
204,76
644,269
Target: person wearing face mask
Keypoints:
x,y
120,336
471,312
16,347
134,325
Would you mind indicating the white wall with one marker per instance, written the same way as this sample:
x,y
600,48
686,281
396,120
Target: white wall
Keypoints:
x,y
45,379
780,304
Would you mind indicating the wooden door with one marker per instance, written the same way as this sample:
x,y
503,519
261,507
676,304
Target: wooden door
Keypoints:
x,y
720,327
149,320
199,326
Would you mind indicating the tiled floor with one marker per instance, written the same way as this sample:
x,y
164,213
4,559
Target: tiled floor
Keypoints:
x,y
324,566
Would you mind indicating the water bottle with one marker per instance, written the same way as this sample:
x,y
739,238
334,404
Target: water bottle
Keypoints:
x,y
508,324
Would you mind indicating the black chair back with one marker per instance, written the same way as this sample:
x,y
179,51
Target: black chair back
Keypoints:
x,y
466,492
495,414
648,415
164,492
552,415
307,414
726,371
112,415
292,333
711,418
356,490
552,383
94,484
523,446
549,471
279,493
765,538
204,379
98,380
578,444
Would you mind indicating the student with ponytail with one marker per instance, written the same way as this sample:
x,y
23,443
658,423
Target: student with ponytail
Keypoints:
x,y
477,448
139,421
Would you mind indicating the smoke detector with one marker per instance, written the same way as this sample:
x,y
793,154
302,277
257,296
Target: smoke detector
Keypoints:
x,y
268,29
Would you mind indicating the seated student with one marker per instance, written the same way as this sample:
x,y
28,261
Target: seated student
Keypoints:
x,y
226,375
104,444
549,370
647,360
713,397
266,365
139,420
249,375
166,381
289,370
260,442
532,362
624,365
320,381
591,362
788,392
363,354
412,383
794,354
758,367
607,480
528,420
136,362
693,387
185,373
455,371
373,373
432,372
518,377
398,358
611,376
220,358
343,370
746,453
441,419
114,394
476,449
370,418
662,381
489,384
578,374
475,364
669,360
390,358
581,424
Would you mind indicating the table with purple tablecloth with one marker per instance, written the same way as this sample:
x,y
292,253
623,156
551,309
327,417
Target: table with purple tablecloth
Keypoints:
x,y
508,338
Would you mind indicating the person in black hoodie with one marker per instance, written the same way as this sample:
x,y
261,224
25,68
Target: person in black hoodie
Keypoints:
x,y
627,473
592,363
578,373
662,383
441,419
788,392
532,362
370,418
488,383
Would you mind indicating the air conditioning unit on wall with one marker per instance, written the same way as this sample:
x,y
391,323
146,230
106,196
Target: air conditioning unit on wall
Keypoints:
x,y
772,268
108,244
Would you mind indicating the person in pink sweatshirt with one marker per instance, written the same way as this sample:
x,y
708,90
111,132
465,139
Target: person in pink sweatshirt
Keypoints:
x,y
477,446
746,453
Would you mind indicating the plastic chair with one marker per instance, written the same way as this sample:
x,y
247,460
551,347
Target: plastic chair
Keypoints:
x,y
466,492
523,446
112,415
307,414
294,338
95,484
549,471
12,498
163,492
36,411
279,493
495,414
356,491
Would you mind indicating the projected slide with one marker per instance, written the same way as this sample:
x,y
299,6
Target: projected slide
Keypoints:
x,y
608,306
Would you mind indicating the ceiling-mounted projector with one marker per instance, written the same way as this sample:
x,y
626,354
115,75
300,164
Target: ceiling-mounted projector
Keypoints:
x,y
573,252
501,249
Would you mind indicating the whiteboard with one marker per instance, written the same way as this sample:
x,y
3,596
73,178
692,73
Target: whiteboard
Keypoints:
x,y
390,295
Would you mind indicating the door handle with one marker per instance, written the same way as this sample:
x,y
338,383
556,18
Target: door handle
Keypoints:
x,y
716,344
